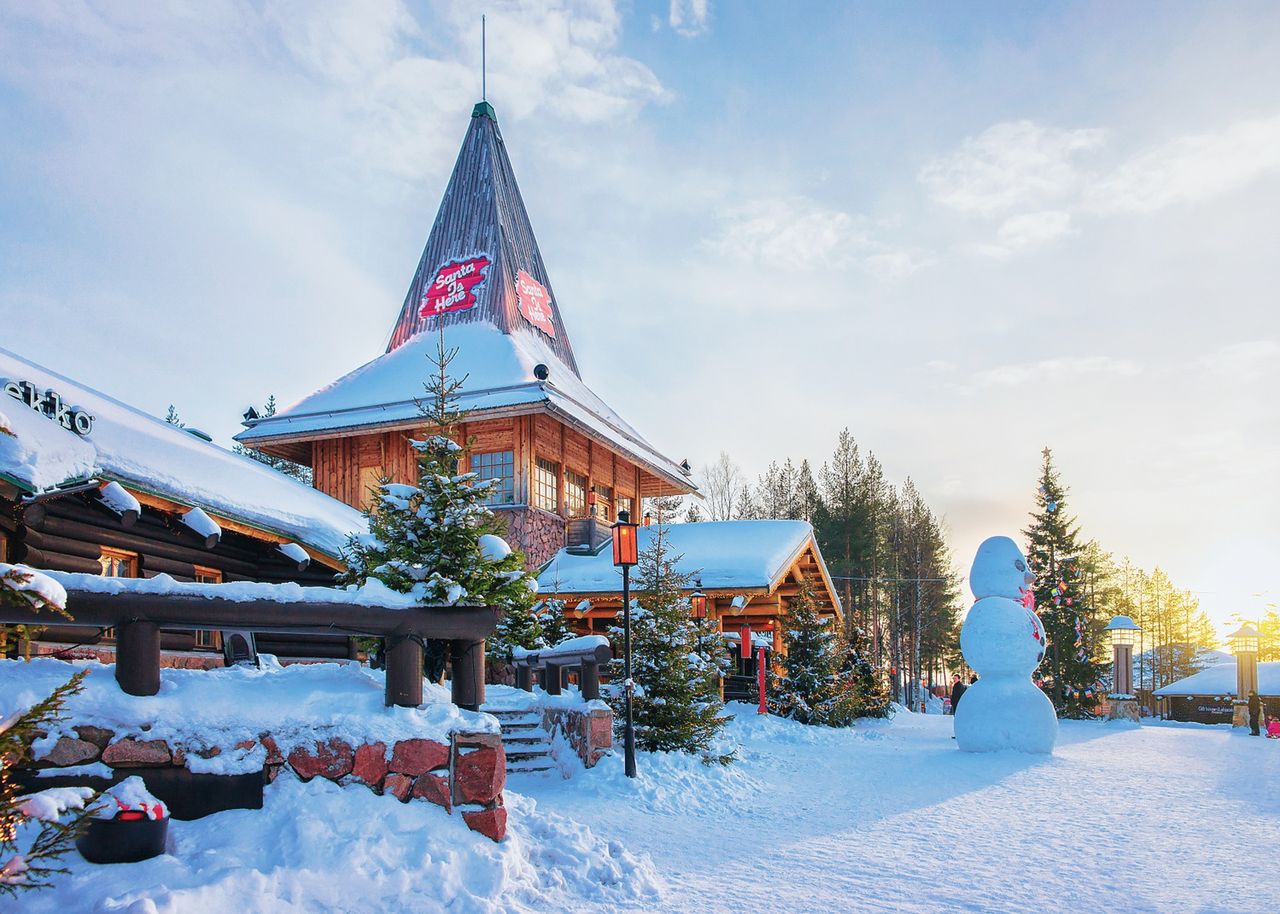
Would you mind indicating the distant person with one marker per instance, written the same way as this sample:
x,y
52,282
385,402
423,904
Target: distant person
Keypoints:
x,y
1273,728
957,690
1255,713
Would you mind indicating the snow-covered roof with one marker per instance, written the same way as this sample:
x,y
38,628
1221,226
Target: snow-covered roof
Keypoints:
x,y
1220,680
498,368
723,555
152,456
483,246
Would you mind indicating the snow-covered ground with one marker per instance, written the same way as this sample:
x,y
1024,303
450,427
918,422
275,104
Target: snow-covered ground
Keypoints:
x,y
888,816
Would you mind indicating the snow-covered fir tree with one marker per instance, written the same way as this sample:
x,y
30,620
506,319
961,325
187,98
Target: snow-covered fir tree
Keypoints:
x,y
859,673
677,703
554,619
297,470
1072,672
811,685
35,829
173,418
438,540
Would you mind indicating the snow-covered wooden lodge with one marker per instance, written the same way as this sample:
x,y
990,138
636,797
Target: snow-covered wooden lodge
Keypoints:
x,y
89,484
1206,697
748,570
567,462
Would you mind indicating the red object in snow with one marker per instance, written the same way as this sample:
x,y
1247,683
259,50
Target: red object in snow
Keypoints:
x,y
131,815
535,303
760,680
453,288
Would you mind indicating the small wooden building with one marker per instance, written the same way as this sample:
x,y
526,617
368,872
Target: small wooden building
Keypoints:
x,y
567,462
89,484
749,571
1206,697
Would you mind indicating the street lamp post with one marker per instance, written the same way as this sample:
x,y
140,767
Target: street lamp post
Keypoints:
x,y
1244,644
625,555
1122,702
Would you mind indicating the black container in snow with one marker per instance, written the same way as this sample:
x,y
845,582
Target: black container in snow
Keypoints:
x,y
123,840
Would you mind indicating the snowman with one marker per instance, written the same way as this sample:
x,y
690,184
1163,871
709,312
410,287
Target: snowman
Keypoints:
x,y
1004,641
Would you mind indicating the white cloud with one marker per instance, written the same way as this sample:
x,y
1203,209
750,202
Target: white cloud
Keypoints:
x,y
1009,166
690,18
787,233
1054,370
1244,361
1190,168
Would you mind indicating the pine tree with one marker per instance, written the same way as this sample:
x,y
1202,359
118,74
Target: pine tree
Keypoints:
x,y
438,540
858,672
677,705
173,419
35,830
808,689
554,619
1073,670
298,471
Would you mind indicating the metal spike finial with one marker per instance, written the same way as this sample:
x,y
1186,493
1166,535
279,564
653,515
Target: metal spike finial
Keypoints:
x,y
484,87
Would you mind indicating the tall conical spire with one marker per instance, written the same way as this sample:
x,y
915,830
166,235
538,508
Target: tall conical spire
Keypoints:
x,y
481,261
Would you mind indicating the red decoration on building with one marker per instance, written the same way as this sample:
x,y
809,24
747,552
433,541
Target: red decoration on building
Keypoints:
x,y
454,288
535,303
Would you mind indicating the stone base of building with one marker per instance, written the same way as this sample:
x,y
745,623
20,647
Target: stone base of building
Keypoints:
x,y
1125,708
589,732
466,774
537,533
1240,714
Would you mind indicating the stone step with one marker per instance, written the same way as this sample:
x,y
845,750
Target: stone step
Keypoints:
x,y
522,726
525,737
530,768
525,754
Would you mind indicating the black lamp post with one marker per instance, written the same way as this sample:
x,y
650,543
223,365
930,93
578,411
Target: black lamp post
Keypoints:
x,y
625,554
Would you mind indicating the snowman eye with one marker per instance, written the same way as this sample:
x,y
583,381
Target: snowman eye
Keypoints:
x,y
1020,565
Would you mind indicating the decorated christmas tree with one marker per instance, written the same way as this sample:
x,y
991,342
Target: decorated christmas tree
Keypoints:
x,y
1072,672
438,540
677,697
553,618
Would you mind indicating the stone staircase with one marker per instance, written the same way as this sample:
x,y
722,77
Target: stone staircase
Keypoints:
x,y
525,741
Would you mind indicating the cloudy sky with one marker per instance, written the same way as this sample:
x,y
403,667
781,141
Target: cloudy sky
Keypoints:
x,y
965,231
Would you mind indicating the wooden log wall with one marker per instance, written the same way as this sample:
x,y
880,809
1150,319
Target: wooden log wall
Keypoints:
x,y
70,533
346,467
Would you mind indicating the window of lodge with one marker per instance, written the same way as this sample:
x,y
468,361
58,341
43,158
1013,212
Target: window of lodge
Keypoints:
x,y
208,639
604,501
625,504
118,564
546,485
499,465
575,494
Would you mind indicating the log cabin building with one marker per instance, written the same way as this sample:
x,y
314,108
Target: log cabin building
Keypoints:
x,y
567,462
749,571
91,485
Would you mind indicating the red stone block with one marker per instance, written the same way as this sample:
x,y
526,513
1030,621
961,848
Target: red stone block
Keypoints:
x,y
418,756
331,760
371,763
135,753
492,823
479,775
69,751
274,755
246,744
601,731
433,788
398,785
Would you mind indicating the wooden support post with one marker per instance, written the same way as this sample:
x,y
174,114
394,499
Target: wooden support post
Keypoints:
x,y
589,681
468,674
353,649
404,672
524,678
138,657
551,679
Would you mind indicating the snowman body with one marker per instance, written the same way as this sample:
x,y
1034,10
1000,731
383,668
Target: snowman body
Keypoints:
x,y
1004,641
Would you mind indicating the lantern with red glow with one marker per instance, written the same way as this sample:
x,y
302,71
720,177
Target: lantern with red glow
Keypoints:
x,y
591,502
648,518
698,600
625,549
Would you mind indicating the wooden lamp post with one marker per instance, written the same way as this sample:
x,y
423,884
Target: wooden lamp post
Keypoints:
x,y
1123,703
1244,644
625,555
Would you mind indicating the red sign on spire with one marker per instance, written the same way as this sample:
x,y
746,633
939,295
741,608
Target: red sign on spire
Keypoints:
x,y
453,288
535,303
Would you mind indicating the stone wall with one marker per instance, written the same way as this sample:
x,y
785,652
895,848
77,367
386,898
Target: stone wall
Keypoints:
x,y
589,732
467,774
538,533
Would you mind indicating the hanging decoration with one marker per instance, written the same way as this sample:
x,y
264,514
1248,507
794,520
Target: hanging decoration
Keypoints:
x,y
535,303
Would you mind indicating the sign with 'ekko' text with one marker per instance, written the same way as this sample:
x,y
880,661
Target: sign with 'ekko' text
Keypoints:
x,y
535,303
51,404
454,286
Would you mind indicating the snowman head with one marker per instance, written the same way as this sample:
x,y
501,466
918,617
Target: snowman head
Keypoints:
x,y
1000,570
